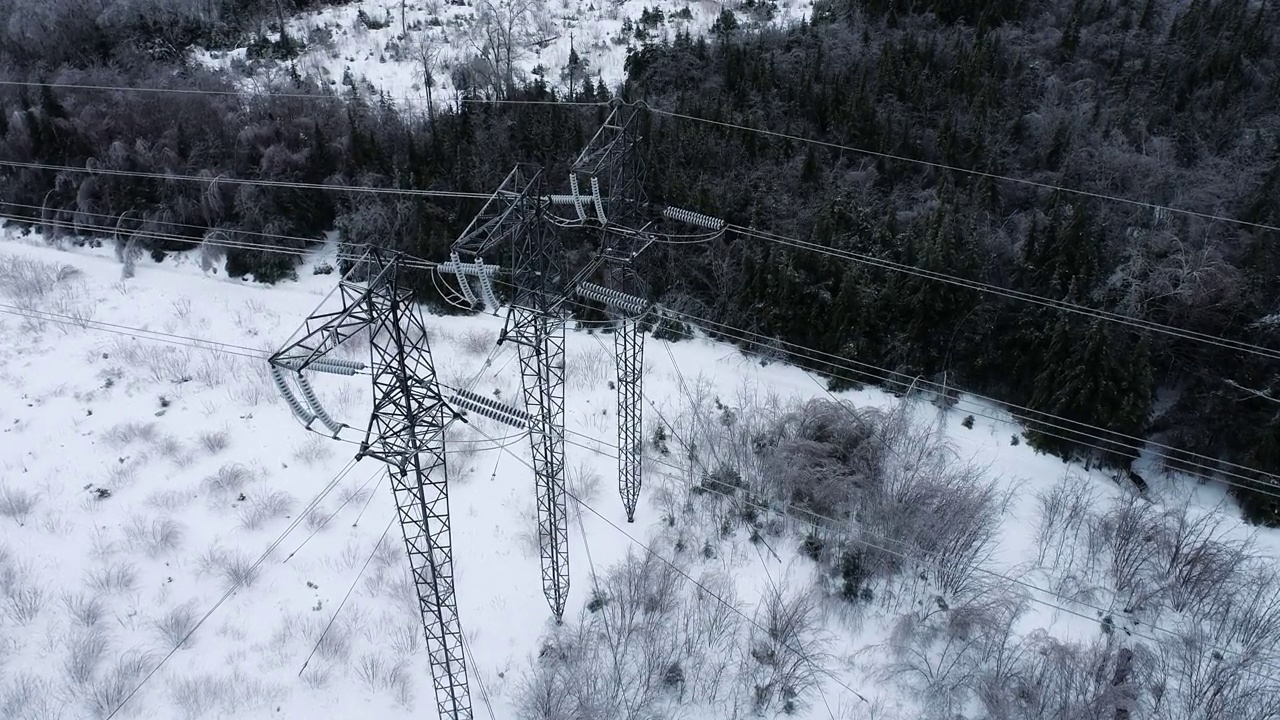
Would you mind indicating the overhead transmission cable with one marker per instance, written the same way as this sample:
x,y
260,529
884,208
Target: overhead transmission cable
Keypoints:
x,y
836,526
211,238
701,586
347,597
231,590
504,447
884,375
1035,420
954,168
880,375
1138,323
215,179
250,93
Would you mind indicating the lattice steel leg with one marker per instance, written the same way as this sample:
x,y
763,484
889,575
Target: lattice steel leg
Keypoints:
x,y
408,426
541,347
629,349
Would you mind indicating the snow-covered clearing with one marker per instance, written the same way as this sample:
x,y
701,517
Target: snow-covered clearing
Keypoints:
x,y
140,479
377,45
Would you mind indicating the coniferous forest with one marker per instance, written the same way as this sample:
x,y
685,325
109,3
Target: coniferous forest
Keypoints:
x,y
1167,102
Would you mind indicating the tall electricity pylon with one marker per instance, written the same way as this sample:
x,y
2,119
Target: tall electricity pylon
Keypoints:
x,y
612,169
406,431
515,215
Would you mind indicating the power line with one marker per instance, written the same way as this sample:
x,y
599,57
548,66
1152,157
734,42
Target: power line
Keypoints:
x,y
953,168
205,229
1012,294
668,113
810,354
813,355
325,521
139,333
119,329
258,93
689,578
235,586
210,238
247,181
904,555
347,597
169,91
1036,424
908,384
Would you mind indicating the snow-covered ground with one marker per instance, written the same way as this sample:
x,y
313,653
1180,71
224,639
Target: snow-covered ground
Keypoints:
x,y
142,474
376,45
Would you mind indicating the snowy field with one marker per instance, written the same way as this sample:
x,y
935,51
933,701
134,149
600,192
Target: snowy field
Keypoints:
x,y
373,44
151,481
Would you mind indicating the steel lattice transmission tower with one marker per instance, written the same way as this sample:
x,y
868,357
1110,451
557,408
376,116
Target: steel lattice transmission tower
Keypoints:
x,y
406,431
612,169
535,323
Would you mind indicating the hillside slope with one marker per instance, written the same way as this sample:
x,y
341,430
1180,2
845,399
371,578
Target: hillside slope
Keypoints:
x,y
142,474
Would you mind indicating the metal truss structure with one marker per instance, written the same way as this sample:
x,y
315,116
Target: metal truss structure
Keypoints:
x,y
514,218
612,167
406,431
607,197
536,325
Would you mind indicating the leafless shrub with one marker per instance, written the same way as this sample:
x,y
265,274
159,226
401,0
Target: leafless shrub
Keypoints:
x,y
1057,679
169,500
390,552
313,450
377,673
335,644
118,436
24,604
85,651
84,609
239,569
164,363
211,367
108,692
944,652
121,475
1063,514
13,574
644,639
176,625
29,696
221,695
262,509
588,369
403,637
786,651
27,282
253,385
316,677
1195,559
172,449
461,444
317,518
919,503
1125,536
583,482
229,479
349,494
476,341
154,537
115,577
17,503
214,442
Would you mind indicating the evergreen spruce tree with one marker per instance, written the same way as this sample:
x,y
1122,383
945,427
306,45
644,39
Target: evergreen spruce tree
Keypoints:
x,y
1097,377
